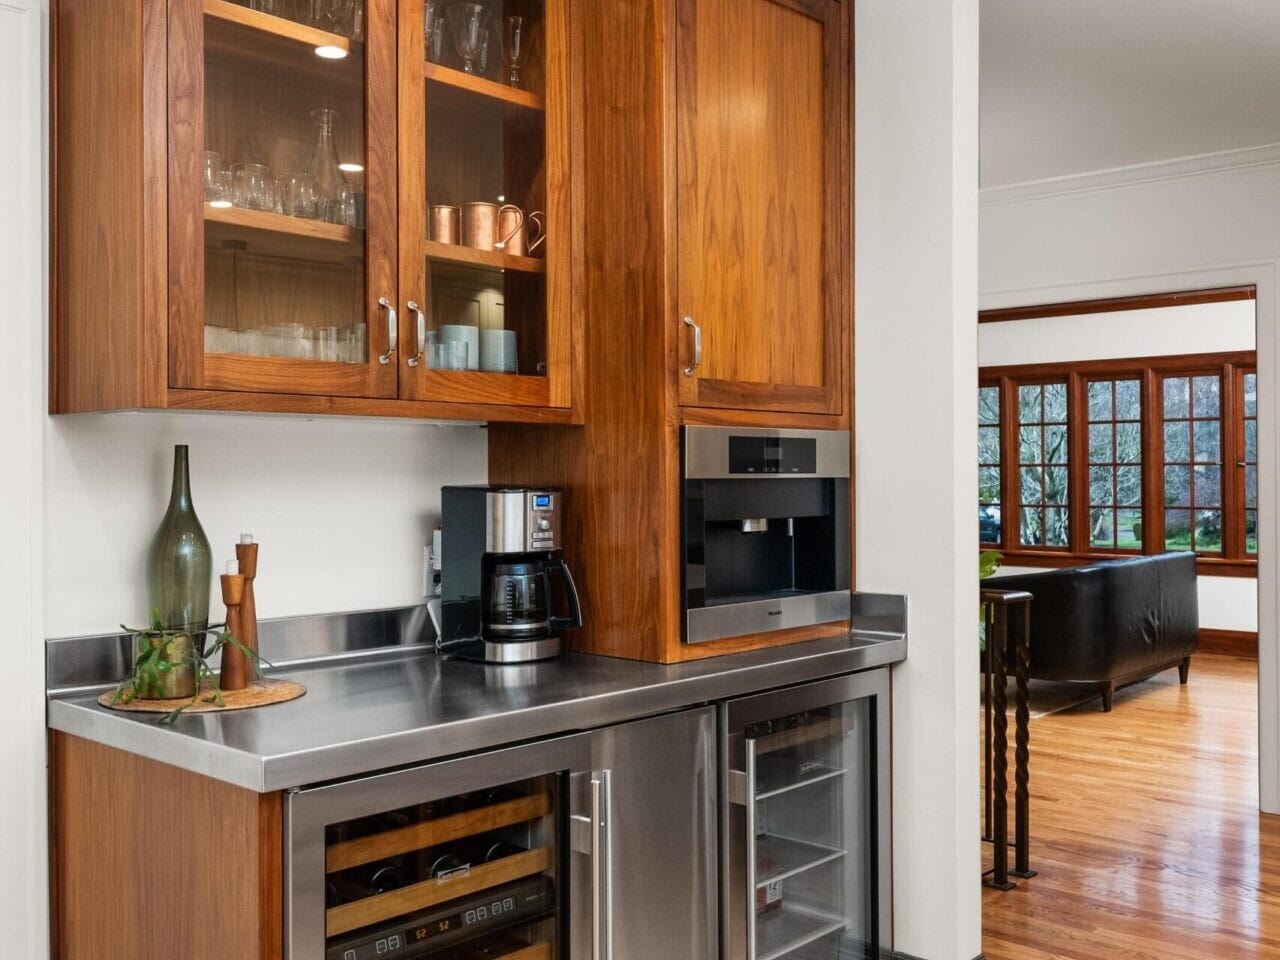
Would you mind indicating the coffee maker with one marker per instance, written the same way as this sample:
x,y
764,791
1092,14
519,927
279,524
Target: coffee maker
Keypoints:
x,y
500,548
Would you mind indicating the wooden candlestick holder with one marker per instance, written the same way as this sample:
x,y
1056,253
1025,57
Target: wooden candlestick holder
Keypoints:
x,y
247,555
235,665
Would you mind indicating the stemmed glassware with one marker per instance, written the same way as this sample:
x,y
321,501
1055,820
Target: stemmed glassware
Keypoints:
x,y
332,15
468,20
516,43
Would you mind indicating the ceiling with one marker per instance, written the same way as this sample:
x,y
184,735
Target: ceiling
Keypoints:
x,y
1074,86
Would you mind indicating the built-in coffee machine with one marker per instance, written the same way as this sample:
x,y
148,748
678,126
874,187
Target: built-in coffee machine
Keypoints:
x,y
500,551
765,530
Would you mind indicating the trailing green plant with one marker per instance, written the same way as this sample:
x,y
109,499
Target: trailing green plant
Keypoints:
x,y
154,663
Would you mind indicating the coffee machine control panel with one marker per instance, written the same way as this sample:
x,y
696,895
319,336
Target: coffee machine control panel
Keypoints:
x,y
543,528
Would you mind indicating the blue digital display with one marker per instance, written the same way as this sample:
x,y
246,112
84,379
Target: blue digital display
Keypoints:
x,y
542,500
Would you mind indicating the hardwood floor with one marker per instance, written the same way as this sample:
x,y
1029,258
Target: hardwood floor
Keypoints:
x,y
1145,829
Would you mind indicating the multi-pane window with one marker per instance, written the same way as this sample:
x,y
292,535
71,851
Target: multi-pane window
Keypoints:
x,y
1193,463
1249,461
1096,458
1042,458
989,523
1115,464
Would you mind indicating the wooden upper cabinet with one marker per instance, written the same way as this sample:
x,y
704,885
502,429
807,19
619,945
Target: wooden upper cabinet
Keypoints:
x,y
282,200
242,214
484,148
761,258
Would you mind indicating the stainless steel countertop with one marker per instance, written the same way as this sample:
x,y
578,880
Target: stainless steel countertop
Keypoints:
x,y
409,706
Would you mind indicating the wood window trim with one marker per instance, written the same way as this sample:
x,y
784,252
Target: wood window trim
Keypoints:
x,y
1153,301
1231,366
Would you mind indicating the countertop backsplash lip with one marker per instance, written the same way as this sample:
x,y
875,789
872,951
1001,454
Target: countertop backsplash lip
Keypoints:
x,y
374,707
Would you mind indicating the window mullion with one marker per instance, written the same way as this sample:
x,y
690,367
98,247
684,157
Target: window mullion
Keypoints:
x,y
1152,464
1077,465
1230,453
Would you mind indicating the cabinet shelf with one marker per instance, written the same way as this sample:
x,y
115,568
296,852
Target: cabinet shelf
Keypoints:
x,y
783,931
470,256
261,231
780,858
238,31
456,80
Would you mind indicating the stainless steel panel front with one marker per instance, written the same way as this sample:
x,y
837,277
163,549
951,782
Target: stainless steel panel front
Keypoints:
x,y
805,822
663,836
308,812
764,616
522,521
706,452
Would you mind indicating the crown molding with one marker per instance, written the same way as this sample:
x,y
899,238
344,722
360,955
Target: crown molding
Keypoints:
x,y
1182,168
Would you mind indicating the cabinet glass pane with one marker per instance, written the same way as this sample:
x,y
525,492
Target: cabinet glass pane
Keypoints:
x,y
283,180
475,875
487,229
815,870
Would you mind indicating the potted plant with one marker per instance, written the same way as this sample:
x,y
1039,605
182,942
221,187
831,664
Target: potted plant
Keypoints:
x,y
988,563
169,665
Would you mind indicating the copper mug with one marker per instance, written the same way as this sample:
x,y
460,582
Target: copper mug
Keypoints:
x,y
444,222
481,227
513,226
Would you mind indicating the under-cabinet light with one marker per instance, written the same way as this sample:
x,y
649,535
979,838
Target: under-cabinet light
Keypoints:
x,y
351,167
331,52
220,204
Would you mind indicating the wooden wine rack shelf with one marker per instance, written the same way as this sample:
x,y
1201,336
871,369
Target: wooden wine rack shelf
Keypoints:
x,y
382,846
428,893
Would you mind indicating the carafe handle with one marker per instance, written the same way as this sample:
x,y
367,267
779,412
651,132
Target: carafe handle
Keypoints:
x,y
574,620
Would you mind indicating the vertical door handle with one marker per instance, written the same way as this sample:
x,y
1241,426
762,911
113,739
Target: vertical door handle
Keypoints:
x,y
421,331
749,788
392,332
697,346
602,863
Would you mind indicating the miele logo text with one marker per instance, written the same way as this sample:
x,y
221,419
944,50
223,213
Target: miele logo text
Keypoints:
x,y
775,613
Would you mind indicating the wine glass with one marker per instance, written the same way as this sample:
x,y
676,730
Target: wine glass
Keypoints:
x,y
468,21
331,15
516,44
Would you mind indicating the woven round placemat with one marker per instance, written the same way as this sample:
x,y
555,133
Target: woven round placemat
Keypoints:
x,y
259,693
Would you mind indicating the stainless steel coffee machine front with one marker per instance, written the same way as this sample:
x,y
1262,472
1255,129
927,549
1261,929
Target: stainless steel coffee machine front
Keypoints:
x,y
500,554
765,527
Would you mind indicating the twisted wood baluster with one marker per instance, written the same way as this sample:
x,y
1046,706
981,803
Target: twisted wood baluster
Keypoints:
x,y
1022,748
1000,752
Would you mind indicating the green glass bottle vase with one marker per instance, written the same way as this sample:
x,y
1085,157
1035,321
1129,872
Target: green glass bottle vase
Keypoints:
x,y
180,562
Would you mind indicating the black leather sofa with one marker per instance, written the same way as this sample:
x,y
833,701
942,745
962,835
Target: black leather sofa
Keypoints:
x,y
1114,622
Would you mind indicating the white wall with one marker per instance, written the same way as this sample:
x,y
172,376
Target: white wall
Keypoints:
x,y
24,910
342,508
1226,603
1189,224
916,372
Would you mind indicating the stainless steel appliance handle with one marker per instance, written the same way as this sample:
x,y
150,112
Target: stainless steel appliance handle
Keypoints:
x,y
416,311
697,346
393,332
750,791
602,866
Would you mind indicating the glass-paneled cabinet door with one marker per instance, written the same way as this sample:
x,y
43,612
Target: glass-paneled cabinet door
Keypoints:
x,y
282,196
484,242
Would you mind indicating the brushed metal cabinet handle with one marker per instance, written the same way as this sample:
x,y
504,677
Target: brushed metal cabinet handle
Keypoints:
x,y
392,332
416,311
697,346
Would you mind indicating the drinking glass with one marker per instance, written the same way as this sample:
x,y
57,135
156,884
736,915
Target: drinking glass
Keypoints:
x,y
253,187
299,195
516,44
217,182
468,21
263,6
332,15
433,23
342,206
327,347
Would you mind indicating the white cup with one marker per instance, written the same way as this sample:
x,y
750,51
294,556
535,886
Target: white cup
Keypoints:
x,y
462,333
498,351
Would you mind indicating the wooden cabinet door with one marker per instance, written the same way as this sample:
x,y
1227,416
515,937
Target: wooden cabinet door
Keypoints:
x,y
476,135
761,101
282,200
